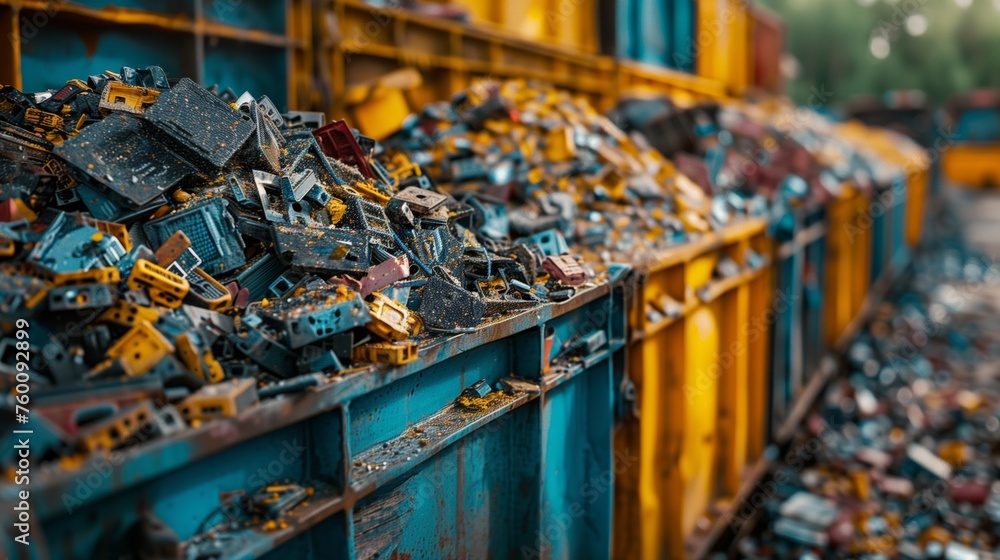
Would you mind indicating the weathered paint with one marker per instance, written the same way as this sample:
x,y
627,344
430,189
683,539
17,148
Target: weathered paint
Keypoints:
x,y
472,481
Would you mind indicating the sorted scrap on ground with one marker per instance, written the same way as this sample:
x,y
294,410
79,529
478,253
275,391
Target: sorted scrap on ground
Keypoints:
x,y
899,459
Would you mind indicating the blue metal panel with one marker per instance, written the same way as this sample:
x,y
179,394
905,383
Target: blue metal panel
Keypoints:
x,y
394,463
247,67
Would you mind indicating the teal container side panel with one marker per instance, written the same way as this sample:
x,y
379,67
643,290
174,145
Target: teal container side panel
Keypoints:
x,y
978,125
478,498
627,36
327,540
62,50
259,69
188,499
786,332
656,40
252,14
902,202
813,347
384,414
579,468
881,239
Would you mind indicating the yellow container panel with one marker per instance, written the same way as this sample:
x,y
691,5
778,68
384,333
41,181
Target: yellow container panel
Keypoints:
x,y
972,165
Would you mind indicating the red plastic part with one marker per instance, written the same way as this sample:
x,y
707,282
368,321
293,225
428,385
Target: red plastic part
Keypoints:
x,y
337,140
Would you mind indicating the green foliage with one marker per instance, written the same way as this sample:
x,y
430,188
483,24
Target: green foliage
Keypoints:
x,y
830,41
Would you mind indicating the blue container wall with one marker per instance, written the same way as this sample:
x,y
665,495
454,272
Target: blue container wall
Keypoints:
x,y
899,247
64,49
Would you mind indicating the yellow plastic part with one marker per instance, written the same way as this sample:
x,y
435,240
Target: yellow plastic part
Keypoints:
x,y
221,400
220,303
378,107
559,144
972,165
43,119
141,348
723,42
6,247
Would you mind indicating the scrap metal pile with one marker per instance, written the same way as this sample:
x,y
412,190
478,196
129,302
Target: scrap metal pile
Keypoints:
x,y
900,460
537,163
187,252
792,157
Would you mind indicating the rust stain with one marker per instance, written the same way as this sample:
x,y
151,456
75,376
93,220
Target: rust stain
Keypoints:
x,y
90,39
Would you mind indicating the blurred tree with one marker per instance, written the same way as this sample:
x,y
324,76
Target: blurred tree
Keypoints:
x,y
937,46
